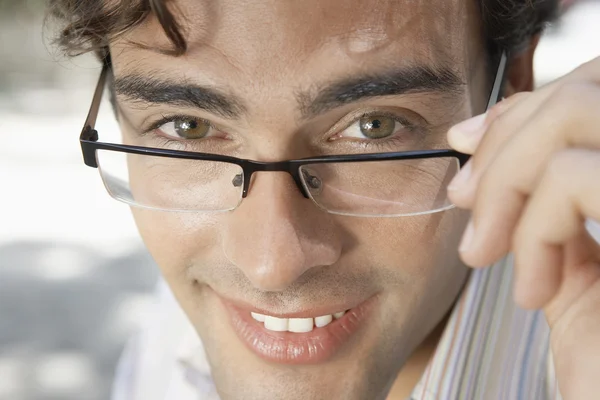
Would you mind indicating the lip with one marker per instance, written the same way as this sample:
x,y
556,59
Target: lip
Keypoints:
x,y
312,347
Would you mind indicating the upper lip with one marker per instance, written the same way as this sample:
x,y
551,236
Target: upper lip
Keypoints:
x,y
303,312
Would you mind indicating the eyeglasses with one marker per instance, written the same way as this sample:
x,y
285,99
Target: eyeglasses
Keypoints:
x,y
369,185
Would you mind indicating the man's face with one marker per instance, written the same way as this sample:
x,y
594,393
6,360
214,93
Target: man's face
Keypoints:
x,y
277,253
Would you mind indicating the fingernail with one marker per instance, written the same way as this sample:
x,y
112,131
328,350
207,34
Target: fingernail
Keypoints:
x,y
471,126
467,238
461,178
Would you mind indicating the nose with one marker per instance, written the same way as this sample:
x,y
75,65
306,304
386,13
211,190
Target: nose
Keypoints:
x,y
276,234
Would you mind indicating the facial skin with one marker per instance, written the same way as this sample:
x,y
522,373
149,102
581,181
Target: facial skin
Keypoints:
x,y
278,251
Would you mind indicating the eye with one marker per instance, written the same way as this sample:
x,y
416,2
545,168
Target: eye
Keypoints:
x,y
372,127
186,128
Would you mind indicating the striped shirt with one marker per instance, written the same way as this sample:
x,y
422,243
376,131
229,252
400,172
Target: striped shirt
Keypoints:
x,y
490,349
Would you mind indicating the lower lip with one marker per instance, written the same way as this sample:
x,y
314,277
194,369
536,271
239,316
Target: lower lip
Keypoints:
x,y
298,348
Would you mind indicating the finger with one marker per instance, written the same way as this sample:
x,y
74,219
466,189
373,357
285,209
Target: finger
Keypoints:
x,y
499,127
569,119
578,329
503,122
568,193
579,271
466,136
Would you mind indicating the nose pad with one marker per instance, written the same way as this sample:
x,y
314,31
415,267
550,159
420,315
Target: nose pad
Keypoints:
x,y
238,180
313,183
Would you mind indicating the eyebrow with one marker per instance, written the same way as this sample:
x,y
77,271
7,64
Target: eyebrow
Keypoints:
x,y
178,94
318,100
407,80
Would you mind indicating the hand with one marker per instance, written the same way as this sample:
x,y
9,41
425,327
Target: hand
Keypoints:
x,y
532,181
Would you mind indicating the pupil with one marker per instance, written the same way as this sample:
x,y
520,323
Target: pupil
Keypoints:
x,y
191,128
190,125
377,127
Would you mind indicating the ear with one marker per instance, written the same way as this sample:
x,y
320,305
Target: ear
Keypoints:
x,y
520,77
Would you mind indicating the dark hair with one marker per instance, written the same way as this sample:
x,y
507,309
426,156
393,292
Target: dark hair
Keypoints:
x,y
89,25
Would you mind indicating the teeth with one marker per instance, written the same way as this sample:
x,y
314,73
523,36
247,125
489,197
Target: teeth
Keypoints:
x,y
323,321
276,324
339,314
300,325
258,317
296,325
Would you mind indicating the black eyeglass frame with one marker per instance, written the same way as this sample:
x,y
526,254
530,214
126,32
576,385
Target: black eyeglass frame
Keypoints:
x,y
90,144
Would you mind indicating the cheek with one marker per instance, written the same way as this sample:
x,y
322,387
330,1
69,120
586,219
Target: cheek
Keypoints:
x,y
417,260
414,247
438,240
175,239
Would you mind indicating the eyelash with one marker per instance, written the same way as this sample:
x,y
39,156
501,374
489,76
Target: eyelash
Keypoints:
x,y
394,139
172,118
397,118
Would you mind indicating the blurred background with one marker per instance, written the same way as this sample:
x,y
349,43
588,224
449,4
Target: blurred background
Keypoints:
x,y
75,280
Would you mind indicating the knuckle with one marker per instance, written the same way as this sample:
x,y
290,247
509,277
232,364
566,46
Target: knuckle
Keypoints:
x,y
519,96
570,92
500,108
488,182
576,99
573,164
588,69
572,103
518,238
561,164
498,125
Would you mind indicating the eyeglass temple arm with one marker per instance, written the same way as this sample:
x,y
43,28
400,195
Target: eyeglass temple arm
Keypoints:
x,y
495,95
88,132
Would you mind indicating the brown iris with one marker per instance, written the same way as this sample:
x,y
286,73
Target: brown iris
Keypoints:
x,y
377,126
191,128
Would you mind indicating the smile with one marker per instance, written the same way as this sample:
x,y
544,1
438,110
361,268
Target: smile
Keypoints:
x,y
308,337
296,325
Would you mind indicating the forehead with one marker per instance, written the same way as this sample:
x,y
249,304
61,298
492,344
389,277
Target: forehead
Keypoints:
x,y
283,32
264,50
